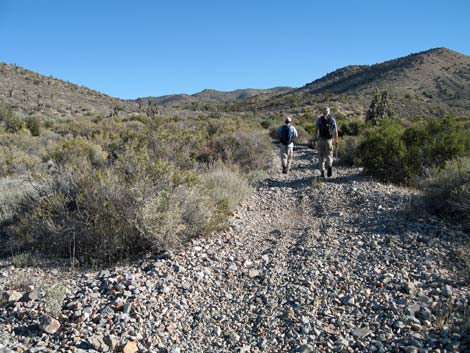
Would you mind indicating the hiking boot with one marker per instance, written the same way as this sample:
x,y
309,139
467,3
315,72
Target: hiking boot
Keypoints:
x,y
329,172
284,170
322,175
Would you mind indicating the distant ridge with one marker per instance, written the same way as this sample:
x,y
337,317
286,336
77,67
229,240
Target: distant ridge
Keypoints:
x,y
211,96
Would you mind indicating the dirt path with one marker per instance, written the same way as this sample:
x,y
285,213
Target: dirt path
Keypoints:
x,y
349,265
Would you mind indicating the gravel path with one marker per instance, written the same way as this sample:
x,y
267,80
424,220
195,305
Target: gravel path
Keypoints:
x,y
345,265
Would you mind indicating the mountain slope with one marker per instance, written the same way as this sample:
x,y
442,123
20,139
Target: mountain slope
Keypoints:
x,y
425,83
27,92
440,73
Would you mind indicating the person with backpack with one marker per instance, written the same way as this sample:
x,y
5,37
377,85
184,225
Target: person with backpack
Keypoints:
x,y
287,133
325,132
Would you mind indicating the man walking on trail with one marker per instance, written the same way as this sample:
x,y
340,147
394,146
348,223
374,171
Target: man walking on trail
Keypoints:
x,y
326,130
287,134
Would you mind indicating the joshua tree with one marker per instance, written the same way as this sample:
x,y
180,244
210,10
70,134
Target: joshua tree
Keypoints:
x,y
379,107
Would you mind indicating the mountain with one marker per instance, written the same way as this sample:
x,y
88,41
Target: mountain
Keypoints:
x,y
29,93
433,79
437,73
214,97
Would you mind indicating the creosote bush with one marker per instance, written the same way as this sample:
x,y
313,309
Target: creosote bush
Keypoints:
x,y
395,153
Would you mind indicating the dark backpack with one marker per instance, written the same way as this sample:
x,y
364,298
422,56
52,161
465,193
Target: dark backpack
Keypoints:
x,y
287,134
327,127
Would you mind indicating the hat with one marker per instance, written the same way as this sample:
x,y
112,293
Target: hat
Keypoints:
x,y
288,120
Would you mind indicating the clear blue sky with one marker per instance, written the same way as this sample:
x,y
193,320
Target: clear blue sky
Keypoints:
x,y
138,48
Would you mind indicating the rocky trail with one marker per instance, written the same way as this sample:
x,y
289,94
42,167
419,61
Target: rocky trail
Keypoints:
x,y
345,265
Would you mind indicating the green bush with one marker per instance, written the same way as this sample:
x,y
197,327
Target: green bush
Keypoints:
x,y
351,127
381,151
393,152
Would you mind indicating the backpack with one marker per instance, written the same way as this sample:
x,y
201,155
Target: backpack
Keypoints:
x,y
327,127
287,134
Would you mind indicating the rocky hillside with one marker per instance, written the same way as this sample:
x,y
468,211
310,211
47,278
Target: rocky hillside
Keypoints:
x,y
439,74
348,265
29,93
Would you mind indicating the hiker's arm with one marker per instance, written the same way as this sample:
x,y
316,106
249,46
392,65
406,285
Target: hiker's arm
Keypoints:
x,y
315,137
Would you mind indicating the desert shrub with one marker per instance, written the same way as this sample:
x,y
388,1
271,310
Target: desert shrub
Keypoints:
x,y
351,127
267,123
140,118
381,151
96,216
393,152
304,136
25,259
16,162
347,150
33,125
226,188
431,144
77,152
448,191
12,122
53,297
248,149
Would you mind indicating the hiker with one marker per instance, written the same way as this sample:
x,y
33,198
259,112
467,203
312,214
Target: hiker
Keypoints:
x,y
325,132
287,134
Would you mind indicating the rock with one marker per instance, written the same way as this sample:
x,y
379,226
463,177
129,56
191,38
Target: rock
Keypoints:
x,y
305,348
409,349
48,324
98,343
447,291
12,295
423,313
112,342
361,332
126,309
130,347
254,273
107,311
348,300
31,296
409,287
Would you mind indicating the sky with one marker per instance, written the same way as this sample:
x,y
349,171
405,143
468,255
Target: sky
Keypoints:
x,y
140,48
